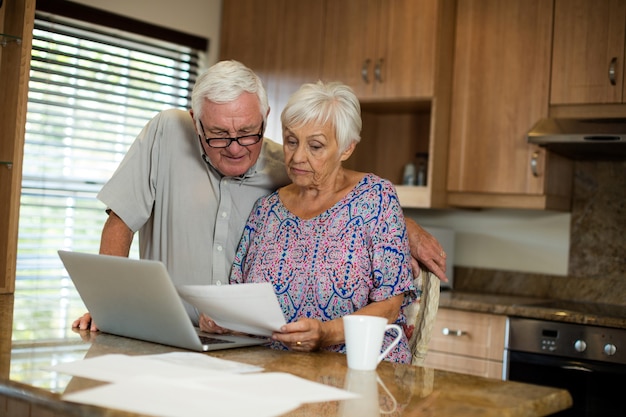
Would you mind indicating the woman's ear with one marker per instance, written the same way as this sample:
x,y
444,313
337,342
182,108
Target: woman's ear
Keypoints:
x,y
346,154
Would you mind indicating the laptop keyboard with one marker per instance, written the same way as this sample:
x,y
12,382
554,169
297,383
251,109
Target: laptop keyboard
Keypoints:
x,y
207,340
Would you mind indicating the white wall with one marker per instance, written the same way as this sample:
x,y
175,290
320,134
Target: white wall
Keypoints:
x,y
513,240
196,17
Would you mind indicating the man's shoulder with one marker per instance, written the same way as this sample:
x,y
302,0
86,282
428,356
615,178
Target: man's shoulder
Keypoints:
x,y
271,164
272,150
174,117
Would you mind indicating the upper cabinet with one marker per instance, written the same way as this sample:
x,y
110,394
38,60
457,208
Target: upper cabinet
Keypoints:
x,y
588,55
271,37
406,102
16,31
500,89
383,49
395,54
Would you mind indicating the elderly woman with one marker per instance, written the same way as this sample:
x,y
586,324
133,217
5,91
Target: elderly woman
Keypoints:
x,y
334,241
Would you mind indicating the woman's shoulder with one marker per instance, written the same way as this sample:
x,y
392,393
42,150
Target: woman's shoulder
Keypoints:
x,y
373,181
268,200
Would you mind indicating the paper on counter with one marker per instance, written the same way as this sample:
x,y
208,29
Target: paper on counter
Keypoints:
x,y
281,384
176,398
247,308
259,395
113,368
203,361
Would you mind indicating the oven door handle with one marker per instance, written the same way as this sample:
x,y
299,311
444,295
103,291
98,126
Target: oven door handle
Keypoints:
x,y
576,368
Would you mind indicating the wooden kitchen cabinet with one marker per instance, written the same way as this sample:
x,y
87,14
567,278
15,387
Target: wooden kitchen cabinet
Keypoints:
x,y
383,49
468,342
248,27
407,113
271,37
500,90
588,52
16,29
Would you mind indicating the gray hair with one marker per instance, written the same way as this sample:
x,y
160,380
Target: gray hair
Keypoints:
x,y
224,82
322,103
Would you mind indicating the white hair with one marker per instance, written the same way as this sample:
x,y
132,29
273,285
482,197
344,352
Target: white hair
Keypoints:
x,y
322,103
224,82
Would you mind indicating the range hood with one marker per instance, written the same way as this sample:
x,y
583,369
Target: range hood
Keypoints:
x,y
598,138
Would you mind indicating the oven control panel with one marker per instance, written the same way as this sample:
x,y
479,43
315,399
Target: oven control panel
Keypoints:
x,y
567,340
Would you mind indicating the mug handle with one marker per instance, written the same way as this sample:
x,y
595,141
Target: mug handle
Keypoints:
x,y
393,344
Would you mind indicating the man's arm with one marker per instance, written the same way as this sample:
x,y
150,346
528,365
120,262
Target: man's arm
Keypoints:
x,y
425,250
116,237
115,240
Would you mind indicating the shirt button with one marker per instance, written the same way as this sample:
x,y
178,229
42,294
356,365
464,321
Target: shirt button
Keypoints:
x,y
219,248
218,283
224,214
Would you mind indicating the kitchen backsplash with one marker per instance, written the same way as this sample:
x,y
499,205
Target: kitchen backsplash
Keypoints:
x,y
597,257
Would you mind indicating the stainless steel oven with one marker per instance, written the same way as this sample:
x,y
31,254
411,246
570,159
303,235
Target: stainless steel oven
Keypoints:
x,y
588,361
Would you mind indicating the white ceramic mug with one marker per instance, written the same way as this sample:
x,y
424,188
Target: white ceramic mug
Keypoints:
x,y
364,339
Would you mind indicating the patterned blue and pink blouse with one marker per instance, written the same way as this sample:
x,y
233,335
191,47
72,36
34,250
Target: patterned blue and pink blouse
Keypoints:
x,y
334,264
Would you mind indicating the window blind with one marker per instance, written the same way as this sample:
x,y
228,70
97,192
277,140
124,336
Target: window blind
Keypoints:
x,y
91,91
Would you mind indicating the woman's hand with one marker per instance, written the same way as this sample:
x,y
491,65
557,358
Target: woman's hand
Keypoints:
x,y
304,335
307,335
208,325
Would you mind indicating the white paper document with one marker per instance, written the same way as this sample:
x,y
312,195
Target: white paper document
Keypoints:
x,y
219,394
114,368
163,397
246,308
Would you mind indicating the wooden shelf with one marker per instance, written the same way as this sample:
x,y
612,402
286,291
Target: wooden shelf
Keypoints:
x,y
413,196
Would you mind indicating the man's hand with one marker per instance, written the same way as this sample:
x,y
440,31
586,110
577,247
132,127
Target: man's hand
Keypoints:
x,y
85,323
426,251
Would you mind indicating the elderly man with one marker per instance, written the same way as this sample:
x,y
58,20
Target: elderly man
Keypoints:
x,y
189,181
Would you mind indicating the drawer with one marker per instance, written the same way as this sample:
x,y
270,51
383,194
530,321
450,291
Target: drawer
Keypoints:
x,y
466,333
464,365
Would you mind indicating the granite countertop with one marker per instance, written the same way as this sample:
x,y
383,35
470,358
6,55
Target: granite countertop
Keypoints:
x,y
27,388
596,314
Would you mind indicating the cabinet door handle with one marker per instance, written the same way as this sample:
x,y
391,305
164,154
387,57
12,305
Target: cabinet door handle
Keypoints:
x,y
534,164
612,67
449,332
378,71
365,71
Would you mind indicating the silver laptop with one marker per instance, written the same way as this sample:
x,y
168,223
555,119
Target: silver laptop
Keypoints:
x,y
137,299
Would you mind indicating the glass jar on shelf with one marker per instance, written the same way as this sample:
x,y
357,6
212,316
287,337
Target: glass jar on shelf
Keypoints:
x,y
421,170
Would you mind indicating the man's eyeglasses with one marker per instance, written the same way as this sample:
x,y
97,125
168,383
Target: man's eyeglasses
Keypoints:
x,y
246,140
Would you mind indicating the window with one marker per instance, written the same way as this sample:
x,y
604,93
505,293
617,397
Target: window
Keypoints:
x,y
92,89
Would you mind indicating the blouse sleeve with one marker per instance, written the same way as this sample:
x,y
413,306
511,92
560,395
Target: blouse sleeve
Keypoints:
x,y
237,271
254,227
391,259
